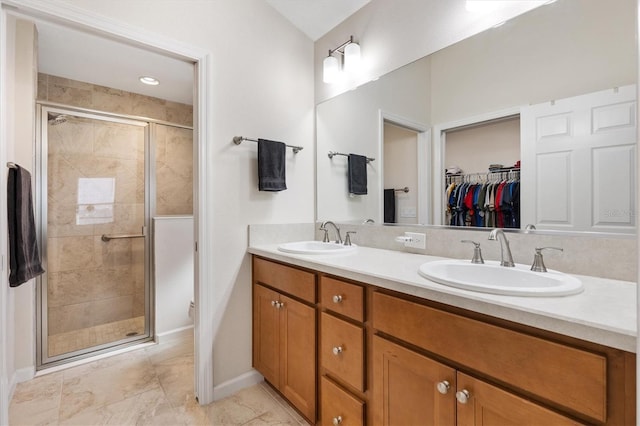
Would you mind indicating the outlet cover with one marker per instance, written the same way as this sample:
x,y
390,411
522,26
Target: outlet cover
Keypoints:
x,y
418,240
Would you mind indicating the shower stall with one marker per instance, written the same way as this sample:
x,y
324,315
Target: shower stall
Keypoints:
x,y
100,179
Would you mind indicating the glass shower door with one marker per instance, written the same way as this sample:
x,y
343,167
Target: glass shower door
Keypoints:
x,y
95,293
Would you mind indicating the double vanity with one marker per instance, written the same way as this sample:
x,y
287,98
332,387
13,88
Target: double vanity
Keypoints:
x,y
358,335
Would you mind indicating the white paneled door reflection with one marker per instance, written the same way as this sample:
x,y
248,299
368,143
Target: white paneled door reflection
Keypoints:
x,y
578,162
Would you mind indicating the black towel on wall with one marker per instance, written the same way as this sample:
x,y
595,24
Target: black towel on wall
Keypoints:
x,y
357,174
24,258
271,165
389,206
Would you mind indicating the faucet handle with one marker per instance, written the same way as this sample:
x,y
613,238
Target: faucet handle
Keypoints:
x,y
347,239
477,252
326,234
538,260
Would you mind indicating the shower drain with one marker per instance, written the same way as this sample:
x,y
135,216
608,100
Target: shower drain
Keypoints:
x,y
132,333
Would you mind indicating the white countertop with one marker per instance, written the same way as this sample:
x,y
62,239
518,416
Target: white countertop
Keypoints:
x,y
604,313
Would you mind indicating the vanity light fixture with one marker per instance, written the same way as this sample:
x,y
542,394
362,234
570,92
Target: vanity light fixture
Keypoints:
x,y
151,81
331,65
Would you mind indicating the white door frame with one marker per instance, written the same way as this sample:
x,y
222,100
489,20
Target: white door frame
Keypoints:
x,y
423,153
76,17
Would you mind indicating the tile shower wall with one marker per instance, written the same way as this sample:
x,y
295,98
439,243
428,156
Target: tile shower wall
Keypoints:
x,y
174,170
86,95
89,282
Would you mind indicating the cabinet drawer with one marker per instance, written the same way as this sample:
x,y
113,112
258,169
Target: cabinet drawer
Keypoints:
x,y
570,377
342,297
342,350
290,280
338,406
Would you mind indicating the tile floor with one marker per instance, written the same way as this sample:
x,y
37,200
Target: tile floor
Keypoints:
x,y
149,386
93,336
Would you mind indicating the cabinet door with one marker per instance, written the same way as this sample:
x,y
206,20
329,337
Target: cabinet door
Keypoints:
x,y
298,355
266,329
405,387
487,405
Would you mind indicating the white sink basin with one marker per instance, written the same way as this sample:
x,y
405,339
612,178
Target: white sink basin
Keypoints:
x,y
315,247
493,278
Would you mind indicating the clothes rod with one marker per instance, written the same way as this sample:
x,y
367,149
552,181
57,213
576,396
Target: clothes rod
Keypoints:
x,y
332,153
238,140
12,165
405,189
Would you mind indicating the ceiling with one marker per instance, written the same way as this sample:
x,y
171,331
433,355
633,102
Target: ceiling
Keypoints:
x,y
87,57
83,56
315,18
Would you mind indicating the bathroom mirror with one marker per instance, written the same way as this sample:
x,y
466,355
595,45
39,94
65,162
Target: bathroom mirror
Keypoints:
x,y
548,56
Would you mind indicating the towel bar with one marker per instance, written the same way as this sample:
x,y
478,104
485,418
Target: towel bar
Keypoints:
x,y
12,165
238,140
332,153
405,189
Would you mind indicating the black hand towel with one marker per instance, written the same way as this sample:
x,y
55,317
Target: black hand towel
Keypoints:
x,y
389,206
24,258
271,165
357,174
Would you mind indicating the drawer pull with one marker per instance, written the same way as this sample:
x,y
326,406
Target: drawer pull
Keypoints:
x,y
274,303
277,304
463,396
337,350
337,298
443,387
337,420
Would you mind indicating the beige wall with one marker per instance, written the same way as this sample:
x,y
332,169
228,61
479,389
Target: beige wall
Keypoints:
x,y
568,48
22,123
401,169
473,149
394,33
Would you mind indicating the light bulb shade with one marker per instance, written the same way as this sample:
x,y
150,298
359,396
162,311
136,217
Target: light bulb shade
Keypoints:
x,y
352,57
330,69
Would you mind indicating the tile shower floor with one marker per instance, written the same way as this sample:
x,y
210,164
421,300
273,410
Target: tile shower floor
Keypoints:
x,y
150,386
94,336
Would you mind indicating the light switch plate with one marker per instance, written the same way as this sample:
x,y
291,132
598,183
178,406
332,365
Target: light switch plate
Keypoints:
x,y
418,240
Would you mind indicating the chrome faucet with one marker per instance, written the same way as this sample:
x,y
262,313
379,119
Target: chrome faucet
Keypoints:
x,y
505,251
323,227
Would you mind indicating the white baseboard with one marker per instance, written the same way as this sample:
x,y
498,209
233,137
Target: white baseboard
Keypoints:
x,y
22,375
172,334
234,385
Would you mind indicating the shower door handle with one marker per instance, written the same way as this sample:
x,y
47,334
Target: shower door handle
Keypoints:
x,y
106,238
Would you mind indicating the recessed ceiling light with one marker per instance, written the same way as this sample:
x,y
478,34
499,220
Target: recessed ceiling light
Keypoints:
x,y
149,80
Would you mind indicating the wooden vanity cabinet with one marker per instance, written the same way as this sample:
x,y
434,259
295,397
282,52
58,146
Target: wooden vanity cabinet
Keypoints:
x,y
284,332
378,357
